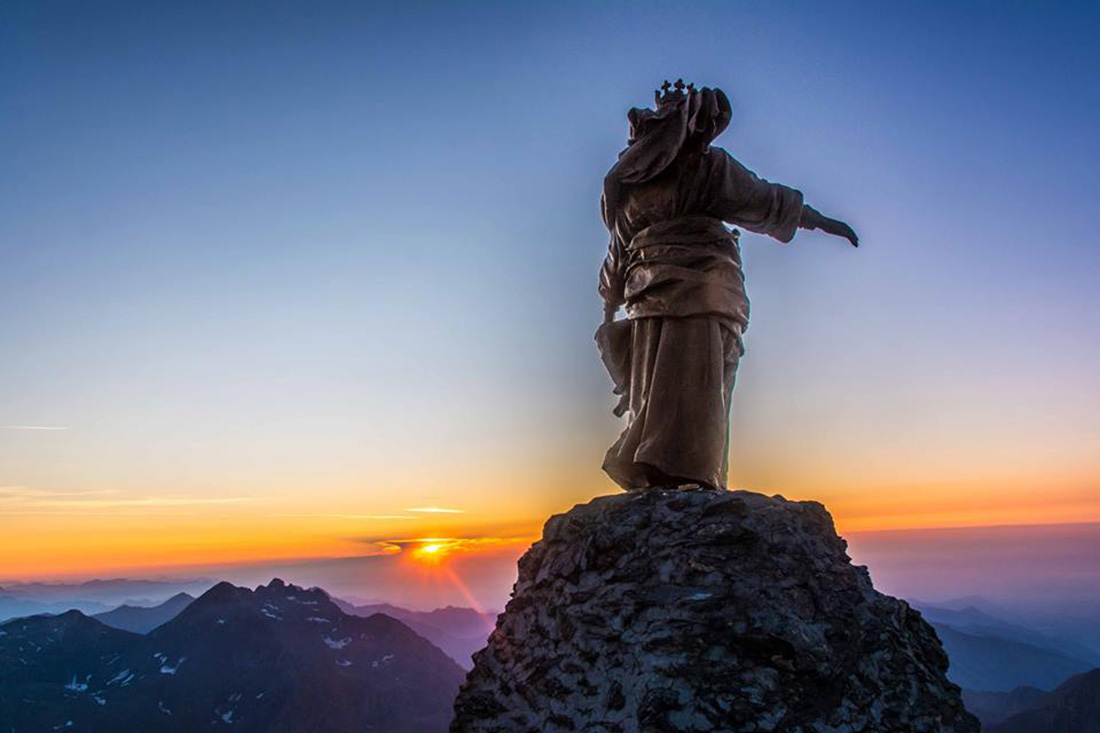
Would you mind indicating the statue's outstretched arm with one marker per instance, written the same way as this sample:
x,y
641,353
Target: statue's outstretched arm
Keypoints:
x,y
814,219
735,194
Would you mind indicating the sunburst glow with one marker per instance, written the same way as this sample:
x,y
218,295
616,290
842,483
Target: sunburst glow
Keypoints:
x,y
432,551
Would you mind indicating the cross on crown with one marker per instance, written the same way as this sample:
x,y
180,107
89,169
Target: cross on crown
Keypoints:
x,y
672,93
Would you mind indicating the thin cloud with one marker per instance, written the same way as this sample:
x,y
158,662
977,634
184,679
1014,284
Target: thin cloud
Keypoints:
x,y
33,427
484,531
436,510
468,539
27,493
340,515
149,501
27,500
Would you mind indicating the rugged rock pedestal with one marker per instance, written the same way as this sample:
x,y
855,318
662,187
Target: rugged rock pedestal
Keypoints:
x,y
704,611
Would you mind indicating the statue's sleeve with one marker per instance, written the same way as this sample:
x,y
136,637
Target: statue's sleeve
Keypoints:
x,y
737,195
612,278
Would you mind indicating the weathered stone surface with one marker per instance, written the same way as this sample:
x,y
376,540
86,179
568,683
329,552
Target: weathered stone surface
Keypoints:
x,y
704,611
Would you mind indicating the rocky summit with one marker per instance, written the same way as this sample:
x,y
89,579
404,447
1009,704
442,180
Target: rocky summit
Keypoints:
x,y
704,611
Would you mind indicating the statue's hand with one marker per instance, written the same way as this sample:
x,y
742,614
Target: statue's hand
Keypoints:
x,y
840,229
609,312
843,230
814,219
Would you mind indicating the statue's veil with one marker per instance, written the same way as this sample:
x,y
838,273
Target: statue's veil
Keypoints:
x,y
657,137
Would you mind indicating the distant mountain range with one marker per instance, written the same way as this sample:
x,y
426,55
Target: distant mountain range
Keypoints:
x,y
282,640
1005,669
278,659
994,707
13,606
91,597
1072,707
458,631
995,663
990,654
110,591
1058,617
978,622
143,619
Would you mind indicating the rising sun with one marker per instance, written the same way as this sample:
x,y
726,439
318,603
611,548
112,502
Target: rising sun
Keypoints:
x,y
431,552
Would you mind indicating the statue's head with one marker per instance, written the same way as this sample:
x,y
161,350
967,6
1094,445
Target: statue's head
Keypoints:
x,y
686,119
694,116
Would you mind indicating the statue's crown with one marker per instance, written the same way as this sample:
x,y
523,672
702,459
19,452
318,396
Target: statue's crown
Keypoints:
x,y
672,93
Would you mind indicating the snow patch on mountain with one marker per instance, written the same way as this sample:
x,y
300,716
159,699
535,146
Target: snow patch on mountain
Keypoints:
x,y
336,643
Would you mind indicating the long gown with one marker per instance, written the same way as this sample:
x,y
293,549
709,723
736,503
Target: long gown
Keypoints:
x,y
677,269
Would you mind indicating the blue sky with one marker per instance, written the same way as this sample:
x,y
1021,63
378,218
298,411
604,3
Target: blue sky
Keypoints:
x,y
251,249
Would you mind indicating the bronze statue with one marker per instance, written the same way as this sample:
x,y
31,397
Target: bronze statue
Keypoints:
x,y
676,267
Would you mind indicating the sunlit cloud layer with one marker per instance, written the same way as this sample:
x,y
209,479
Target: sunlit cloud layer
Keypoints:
x,y
33,427
352,517
26,500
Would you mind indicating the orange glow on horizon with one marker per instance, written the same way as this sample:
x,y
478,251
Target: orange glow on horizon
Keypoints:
x,y
58,535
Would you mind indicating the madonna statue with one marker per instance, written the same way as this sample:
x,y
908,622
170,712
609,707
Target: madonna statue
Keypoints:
x,y
676,267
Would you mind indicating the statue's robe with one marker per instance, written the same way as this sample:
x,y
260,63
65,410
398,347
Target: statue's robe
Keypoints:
x,y
676,268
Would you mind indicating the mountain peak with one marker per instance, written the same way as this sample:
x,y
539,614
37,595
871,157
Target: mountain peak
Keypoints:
x,y
274,658
222,591
70,616
143,619
704,610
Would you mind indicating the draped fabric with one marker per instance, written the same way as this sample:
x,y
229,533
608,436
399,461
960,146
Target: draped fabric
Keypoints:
x,y
677,270
678,392
689,266
658,136
685,206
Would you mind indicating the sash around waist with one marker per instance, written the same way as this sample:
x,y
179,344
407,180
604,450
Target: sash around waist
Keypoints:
x,y
686,230
686,267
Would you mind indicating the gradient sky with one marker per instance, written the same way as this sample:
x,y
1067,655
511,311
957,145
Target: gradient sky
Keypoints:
x,y
281,274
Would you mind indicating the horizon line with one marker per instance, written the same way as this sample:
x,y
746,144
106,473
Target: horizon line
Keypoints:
x,y
975,527
163,573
